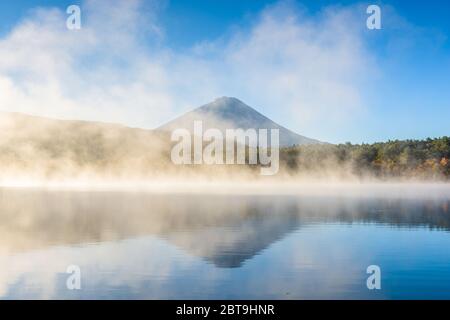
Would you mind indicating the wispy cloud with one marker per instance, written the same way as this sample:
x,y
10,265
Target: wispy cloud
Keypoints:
x,y
302,70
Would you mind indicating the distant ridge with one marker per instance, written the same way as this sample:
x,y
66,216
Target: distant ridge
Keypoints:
x,y
231,113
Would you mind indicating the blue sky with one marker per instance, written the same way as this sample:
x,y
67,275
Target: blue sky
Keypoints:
x,y
364,86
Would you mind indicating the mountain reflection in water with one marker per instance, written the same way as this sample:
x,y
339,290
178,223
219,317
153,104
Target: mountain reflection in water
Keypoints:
x,y
227,231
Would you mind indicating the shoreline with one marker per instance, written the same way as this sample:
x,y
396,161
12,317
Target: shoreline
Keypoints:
x,y
312,188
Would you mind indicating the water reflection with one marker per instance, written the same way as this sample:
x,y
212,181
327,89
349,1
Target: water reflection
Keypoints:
x,y
225,231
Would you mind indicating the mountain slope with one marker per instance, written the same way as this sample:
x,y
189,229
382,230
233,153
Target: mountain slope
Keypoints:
x,y
45,147
231,113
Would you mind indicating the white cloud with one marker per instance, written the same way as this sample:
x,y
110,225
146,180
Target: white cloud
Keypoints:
x,y
310,70
303,71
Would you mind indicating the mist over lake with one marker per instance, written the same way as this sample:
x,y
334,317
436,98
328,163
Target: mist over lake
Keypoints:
x,y
206,245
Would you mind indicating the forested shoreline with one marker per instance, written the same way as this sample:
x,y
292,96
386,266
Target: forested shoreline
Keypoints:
x,y
422,159
38,148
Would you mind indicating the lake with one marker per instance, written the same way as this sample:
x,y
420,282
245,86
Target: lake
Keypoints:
x,y
293,245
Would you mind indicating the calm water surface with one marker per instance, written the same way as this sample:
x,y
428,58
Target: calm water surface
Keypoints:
x,y
138,245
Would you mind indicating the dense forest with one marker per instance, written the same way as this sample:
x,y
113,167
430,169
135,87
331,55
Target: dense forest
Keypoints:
x,y
422,159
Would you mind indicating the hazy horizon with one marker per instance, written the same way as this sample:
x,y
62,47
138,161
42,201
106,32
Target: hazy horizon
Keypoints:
x,y
177,116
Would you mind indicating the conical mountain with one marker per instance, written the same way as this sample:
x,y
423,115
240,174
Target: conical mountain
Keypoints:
x,y
231,113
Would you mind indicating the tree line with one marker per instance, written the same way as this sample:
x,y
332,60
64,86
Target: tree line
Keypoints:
x,y
427,158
